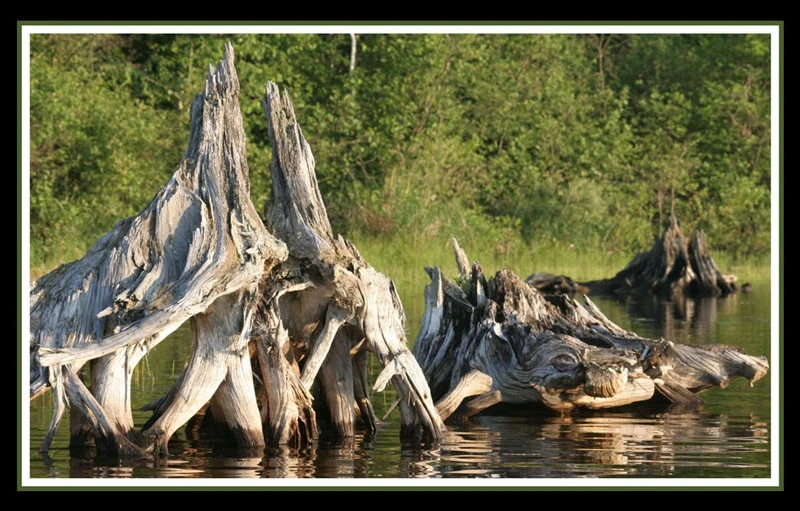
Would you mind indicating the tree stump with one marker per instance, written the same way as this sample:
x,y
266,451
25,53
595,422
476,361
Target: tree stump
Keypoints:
x,y
196,251
504,341
342,299
200,252
673,266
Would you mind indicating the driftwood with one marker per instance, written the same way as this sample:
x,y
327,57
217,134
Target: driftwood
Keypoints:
x,y
505,341
672,267
200,252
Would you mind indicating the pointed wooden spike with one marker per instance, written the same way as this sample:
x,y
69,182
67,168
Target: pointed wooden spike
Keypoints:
x,y
295,210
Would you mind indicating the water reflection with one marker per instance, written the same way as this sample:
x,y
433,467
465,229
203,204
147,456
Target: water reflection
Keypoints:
x,y
728,437
692,320
284,463
623,444
537,445
681,318
419,463
342,458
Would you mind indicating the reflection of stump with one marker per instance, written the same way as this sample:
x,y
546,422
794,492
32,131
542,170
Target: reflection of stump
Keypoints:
x,y
681,317
673,266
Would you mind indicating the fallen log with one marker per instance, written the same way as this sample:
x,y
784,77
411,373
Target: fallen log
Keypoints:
x,y
507,342
302,311
672,267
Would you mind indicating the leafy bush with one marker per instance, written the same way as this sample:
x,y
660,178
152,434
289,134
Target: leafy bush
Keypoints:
x,y
553,141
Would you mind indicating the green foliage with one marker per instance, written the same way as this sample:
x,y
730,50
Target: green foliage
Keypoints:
x,y
576,143
94,157
711,96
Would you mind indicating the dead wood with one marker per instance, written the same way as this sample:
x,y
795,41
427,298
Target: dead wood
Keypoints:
x,y
553,350
673,267
305,317
196,251
346,300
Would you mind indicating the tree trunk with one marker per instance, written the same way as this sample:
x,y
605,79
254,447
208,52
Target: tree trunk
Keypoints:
x,y
505,341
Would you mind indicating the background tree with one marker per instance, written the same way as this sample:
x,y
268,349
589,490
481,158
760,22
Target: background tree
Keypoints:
x,y
544,139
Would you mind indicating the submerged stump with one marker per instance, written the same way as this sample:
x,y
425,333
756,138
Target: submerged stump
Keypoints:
x,y
502,340
673,266
297,304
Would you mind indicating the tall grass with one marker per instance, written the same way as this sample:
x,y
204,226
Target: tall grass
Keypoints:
x,y
403,259
746,268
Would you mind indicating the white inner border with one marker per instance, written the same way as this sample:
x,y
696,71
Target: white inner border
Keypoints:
x,y
776,280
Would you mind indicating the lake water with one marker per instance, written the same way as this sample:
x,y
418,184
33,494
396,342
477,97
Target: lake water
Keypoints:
x,y
729,437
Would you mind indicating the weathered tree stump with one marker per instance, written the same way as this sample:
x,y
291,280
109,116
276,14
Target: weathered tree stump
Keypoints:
x,y
504,341
673,266
342,300
200,252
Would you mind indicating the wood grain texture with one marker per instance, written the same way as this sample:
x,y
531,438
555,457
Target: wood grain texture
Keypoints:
x,y
552,350
198,240
344,292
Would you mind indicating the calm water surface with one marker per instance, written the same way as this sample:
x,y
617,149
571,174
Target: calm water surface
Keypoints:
x,y
729,437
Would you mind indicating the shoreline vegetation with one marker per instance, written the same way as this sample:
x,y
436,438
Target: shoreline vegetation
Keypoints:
x,y
558,153
405,258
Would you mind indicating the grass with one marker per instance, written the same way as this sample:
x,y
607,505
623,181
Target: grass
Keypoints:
x,y
747,268
404,260
64,254
404,257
